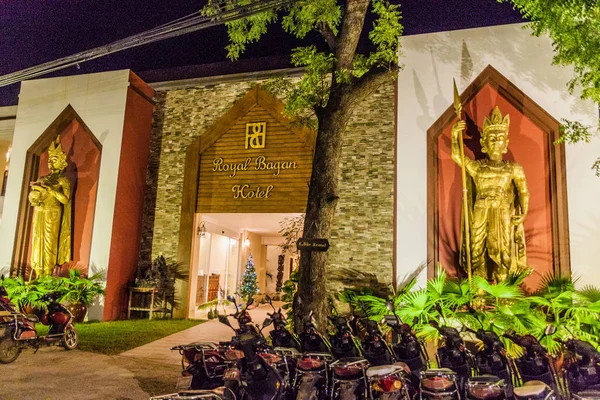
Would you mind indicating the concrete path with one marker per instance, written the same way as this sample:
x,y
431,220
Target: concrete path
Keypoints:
x,y
211,331
55,374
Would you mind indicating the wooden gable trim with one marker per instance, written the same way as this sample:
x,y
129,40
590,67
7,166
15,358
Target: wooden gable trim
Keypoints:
x,y
32,163
556,162
256,96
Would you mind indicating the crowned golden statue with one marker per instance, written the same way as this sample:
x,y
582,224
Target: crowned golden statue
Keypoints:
x,y
495,204
50,197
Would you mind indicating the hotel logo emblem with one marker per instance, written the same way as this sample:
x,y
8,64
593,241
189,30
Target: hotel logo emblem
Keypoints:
x,y
255,135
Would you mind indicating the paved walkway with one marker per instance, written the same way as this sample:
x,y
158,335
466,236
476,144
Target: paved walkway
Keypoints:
x,y
211,331
56,374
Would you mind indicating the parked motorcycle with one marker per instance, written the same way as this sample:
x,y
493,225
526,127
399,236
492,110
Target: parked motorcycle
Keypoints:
x,y
17,330
407,347
486,387
453,355
251,373
391,382
350,379
343,343
311,340
203,365
312,376
375,348
495,382
439,384
534,390
582,372
535,370
280,335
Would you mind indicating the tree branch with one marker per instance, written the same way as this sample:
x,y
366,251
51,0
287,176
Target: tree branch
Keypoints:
x,y
328,35
352,26
370,82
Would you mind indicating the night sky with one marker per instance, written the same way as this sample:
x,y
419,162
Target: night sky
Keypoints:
x,y
33,32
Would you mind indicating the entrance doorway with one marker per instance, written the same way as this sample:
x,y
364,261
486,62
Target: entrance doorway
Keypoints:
x,y
222,246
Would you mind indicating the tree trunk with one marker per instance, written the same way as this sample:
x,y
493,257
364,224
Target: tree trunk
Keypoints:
x,y
322,200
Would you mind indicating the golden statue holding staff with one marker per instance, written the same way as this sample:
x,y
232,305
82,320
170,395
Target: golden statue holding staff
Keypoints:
x,y
493,235
50,196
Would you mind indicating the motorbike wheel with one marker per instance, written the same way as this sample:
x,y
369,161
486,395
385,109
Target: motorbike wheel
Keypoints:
x,y
9,349
70,340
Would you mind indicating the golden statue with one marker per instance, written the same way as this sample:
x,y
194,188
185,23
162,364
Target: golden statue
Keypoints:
x,y
50,196
495,204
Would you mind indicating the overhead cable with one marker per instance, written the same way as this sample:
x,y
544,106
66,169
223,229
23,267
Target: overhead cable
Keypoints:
x,y
181,26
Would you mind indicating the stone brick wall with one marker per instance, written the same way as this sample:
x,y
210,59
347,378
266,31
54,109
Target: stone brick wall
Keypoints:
x,y
363,227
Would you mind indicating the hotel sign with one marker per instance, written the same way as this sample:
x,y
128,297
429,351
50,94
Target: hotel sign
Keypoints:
x,y
258,165
312,244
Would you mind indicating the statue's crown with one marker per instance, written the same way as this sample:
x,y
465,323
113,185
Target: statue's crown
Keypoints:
x,y
496,123
55,149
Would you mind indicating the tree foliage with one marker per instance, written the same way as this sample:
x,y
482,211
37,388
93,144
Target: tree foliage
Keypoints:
x,y
491,306
574,28
323,71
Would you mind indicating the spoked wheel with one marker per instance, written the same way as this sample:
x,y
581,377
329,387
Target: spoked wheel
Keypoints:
x,y
9,349
71,340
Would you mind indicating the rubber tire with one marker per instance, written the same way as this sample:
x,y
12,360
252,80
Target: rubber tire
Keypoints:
x,y
71,339
7,342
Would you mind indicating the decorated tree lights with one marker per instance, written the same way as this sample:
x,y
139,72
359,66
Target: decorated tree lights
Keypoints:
x,y
249,284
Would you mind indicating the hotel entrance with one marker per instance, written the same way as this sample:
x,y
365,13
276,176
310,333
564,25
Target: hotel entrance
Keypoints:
x,y
223,245
244,176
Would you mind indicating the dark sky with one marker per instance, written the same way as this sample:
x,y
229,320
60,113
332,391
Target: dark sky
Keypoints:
x,y
34,31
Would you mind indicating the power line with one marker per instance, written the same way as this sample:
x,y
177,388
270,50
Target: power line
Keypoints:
x,y
181,26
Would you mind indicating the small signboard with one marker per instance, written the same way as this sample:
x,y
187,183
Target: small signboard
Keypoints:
x,y
312,244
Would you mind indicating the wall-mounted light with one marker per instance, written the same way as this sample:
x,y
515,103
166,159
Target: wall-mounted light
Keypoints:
x,y
8,154
246,243
202,230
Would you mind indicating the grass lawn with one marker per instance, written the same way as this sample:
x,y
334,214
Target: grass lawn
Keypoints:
x,y
114,337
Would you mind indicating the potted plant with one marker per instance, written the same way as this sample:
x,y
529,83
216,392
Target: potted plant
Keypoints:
x,y
25,295
80,292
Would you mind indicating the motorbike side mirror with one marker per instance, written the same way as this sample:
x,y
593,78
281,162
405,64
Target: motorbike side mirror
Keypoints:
x,y
231,299
224,320
267,322
390,306
268,299
550,330
250,302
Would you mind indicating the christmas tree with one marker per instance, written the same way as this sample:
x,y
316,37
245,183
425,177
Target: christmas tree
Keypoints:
x,y
248,286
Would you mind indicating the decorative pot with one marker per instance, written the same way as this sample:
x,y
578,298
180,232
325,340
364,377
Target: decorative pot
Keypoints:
x,y
78,310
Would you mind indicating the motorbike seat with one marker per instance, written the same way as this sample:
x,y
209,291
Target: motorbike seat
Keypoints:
x,y
589,394
383,370
532,389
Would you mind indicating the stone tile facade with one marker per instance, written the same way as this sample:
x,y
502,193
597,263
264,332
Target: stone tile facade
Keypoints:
x,y
363,227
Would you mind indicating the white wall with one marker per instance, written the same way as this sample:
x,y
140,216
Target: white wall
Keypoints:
x,y
100,101
431,61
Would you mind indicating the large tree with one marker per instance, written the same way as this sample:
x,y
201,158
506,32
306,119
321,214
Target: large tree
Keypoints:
x,y
574,28
337,78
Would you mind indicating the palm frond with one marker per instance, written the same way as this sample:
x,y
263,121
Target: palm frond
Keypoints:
x,y
591,293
